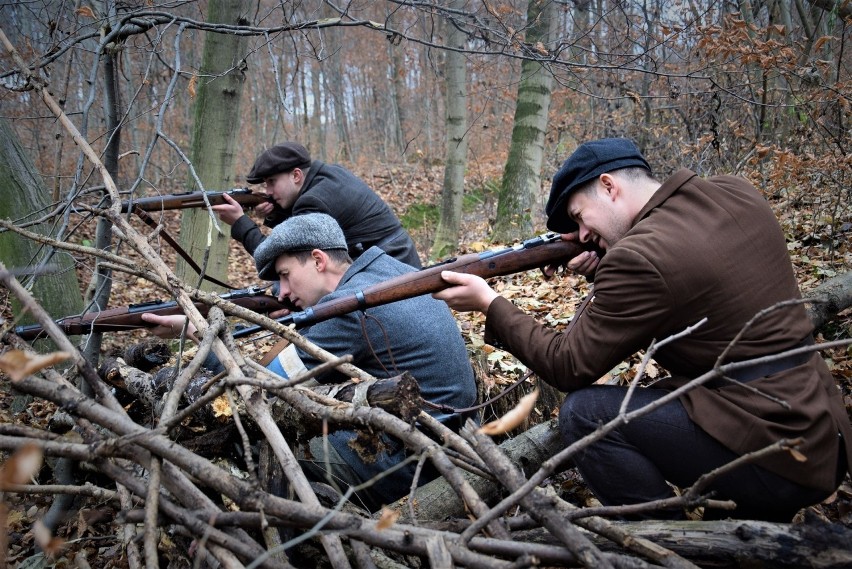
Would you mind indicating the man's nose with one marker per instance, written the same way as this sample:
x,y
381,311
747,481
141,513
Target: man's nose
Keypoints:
x,y
585,234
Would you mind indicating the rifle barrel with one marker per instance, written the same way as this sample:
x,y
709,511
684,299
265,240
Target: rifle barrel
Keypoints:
x,y
243,196
534,253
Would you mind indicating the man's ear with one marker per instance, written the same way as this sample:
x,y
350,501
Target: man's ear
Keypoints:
x,y
610,185
320,259
298,176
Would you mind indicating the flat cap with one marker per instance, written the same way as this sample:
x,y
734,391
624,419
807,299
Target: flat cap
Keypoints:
x,y
280,158
298,233
589,160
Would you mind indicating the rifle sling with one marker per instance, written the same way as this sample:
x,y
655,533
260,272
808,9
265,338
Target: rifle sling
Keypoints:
x,y
273,352
143,215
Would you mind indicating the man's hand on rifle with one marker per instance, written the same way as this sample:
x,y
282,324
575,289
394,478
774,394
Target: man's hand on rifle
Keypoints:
x,y
586,263
469,292
229,212
279,313
169,326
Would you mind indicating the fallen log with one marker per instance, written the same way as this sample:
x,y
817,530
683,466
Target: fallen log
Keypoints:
x,y
837,293
437,501
729,544
398,395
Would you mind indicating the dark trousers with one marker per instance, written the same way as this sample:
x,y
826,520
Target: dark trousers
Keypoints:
x,y
632,464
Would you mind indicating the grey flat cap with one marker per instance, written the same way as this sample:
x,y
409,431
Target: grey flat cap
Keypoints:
x,y
298,233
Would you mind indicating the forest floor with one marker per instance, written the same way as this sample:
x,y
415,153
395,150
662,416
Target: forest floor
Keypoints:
x,y
413,191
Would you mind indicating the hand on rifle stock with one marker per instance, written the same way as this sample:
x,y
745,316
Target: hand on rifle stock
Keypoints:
x,y
469,292
231,211
169,326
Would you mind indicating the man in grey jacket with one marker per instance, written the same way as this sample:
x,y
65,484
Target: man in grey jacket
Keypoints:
x,y
307,255
300,185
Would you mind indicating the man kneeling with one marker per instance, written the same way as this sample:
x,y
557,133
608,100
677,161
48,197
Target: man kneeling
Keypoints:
x,y
307,255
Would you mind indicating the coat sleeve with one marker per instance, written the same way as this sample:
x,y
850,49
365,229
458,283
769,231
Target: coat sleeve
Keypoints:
x,y
632,306
248,233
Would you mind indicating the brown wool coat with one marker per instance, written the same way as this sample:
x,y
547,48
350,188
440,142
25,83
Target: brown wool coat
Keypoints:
x,y
700,248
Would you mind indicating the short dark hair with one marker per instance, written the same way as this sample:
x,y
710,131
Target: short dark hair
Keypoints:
x,y
340,256
634,174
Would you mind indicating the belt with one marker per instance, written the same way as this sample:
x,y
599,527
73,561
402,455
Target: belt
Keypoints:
x,y
759,370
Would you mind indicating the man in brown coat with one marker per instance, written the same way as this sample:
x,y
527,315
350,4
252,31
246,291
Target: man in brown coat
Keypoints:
x,y
676,253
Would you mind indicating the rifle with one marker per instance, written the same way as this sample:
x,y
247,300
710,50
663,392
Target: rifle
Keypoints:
x,y
243,196
130,317
547,249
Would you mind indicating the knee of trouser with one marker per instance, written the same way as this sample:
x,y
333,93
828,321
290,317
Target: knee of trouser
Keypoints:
x,y
573,423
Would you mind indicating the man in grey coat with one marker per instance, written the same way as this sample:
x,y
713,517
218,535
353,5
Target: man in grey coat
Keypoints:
x,y
307,255
677,253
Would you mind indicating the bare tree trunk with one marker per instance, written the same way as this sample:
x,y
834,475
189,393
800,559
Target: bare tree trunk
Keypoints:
x,y
335,81
214,140
101,287
24,199
447,235
398,88
521,182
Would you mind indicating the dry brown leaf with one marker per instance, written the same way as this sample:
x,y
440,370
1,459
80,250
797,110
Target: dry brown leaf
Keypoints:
x,y
22,466
85,11
221,407
387,519
51,546
193,81
18,364
513,418
798,456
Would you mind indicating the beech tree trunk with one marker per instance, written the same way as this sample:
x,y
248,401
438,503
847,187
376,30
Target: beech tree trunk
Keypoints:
x,y
447,235
214,141
25,198
521,182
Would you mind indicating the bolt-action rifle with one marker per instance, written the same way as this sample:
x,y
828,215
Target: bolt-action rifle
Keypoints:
x,y
547,249
130,317
243,196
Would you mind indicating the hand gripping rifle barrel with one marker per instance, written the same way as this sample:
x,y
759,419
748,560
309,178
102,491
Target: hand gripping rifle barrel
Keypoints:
x,y
547,249
243,196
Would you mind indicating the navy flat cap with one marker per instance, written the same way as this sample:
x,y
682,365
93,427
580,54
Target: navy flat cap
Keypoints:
x,y
589,160
280,158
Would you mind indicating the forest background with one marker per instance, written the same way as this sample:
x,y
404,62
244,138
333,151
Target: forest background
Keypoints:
x,y
457,113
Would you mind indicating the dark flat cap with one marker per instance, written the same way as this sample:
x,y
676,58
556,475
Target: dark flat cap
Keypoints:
x,y
280,158
589,160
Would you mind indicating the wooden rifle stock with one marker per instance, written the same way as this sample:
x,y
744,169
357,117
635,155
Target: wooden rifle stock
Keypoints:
x,y
130,317
243,196
548,249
